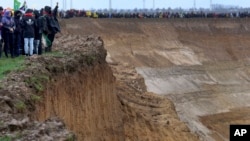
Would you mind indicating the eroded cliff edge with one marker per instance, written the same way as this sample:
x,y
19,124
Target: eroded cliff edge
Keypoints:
x,y
76,90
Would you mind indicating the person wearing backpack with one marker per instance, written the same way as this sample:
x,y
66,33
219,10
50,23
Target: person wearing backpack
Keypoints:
x,y
52,25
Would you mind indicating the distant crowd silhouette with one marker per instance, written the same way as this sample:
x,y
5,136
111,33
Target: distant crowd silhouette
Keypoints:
x,y
152,14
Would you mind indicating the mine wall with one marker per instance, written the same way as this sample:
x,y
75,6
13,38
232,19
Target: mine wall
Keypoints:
x,y
74,94
77,95
201,65
107,101
85,100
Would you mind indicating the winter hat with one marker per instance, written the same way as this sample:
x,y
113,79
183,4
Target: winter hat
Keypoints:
x,y
6,13
47,9
36,13
1,8
17,13
29,11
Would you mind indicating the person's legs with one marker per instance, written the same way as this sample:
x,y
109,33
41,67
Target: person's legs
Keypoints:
x,y
51,38
26,46
18,44
6,44
11,44
1,46
31,46
36,46
40,48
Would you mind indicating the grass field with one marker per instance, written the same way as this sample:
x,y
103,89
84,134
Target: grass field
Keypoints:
x,y
9,64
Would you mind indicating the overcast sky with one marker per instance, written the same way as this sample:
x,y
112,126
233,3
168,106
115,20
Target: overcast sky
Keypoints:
x,y
127,4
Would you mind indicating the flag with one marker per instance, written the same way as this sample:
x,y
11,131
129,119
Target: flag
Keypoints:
x,y
45,41
17,4
23,7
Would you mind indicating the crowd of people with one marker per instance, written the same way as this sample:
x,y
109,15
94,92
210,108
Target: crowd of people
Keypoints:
x,y
22,31
153,14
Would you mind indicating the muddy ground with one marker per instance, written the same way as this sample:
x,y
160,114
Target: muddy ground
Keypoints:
x,y
133,80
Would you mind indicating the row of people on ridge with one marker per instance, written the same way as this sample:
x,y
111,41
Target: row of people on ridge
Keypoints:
x,y
23,31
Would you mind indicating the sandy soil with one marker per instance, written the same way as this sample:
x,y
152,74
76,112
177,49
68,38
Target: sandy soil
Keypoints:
x,y
201,65
132,80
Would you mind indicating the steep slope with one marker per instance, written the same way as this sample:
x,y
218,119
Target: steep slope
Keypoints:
x,y
166,79
144,116
201,65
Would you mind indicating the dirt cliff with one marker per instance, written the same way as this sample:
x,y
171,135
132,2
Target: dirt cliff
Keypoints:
x,y
201,65
133,80
75,90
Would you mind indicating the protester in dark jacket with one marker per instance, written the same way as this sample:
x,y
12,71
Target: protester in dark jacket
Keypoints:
x,y
8,33
28,25
18,33
52,24
38,32
1,11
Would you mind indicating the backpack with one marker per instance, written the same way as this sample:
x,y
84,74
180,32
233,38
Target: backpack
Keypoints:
x,y
42,24
53,25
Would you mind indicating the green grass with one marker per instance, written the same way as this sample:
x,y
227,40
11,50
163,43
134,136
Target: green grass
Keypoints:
x,y
37,81
70,138
20,105
90,59
10,64
35,98
5,138
55,54
9,138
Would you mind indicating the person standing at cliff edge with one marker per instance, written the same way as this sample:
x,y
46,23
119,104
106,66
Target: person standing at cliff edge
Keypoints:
x,y
28,25
7,30
52,24
1,11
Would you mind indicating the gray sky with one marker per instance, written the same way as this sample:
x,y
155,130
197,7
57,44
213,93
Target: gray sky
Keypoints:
x,y
127,4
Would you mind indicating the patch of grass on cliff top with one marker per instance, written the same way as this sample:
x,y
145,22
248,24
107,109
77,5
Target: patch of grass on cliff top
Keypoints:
x,y
55,54
10,64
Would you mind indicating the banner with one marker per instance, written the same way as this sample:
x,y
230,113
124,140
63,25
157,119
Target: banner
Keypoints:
x,y
24,7
17,4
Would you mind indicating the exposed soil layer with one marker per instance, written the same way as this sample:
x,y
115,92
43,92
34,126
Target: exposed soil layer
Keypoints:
x,y
166,79
201,65
109,102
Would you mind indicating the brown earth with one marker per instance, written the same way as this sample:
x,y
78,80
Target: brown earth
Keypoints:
x,y
201,65
163,80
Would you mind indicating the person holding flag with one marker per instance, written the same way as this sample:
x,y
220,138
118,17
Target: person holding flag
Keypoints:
x,y
52,25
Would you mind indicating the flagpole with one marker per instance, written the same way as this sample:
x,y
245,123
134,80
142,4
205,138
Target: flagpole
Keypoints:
x,y
65,4
71,4
143,4
110,7
210,4
153,4
195,4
